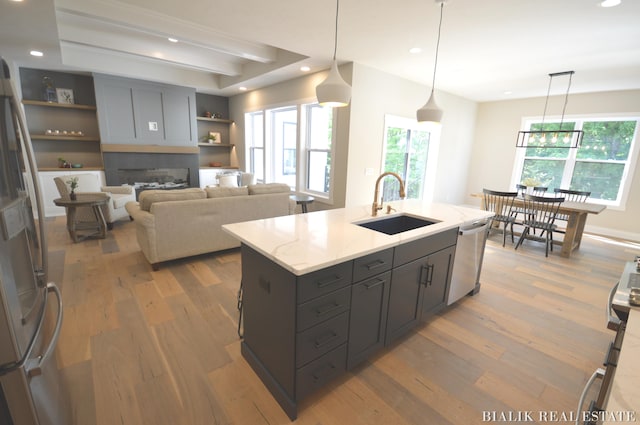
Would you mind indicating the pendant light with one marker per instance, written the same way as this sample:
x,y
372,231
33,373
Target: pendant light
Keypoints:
x,y
430,112
334,91
551,138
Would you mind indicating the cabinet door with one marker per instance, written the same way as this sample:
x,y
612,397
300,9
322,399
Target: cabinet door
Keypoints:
x,y
368,321
437,282
404,298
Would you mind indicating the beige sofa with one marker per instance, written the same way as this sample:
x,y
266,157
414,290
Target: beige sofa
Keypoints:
x,y
173,224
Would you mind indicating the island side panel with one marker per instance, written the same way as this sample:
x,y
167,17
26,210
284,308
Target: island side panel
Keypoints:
x,y
269,311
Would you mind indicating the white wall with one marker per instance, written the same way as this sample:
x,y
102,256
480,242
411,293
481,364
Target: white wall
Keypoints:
x,y
494,149
376,94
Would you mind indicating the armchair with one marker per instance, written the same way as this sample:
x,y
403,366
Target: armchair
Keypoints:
x,y
89,183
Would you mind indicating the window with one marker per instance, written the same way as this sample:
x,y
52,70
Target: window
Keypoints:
x,y
406,152
601,165
254,141
293,145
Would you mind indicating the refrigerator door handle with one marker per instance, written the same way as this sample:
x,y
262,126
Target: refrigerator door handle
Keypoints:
x,y
34,366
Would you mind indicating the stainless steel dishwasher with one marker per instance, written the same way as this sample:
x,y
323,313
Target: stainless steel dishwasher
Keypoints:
x,y
468,260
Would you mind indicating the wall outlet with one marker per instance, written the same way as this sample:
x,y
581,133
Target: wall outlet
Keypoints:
x,y
153,126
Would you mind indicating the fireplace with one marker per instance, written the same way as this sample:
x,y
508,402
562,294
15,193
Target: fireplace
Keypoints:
x,y
151,170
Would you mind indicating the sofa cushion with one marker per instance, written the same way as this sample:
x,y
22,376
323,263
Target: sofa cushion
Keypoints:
x,y
149,197
222,192
260,189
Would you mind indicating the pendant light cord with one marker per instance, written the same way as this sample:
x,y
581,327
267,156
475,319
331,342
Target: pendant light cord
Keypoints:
x,y
335,45
566,97
435,64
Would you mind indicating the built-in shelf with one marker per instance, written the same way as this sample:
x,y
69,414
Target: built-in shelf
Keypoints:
x,y
63,138
224,145
58,105
220,120
226,167
70,169
110,147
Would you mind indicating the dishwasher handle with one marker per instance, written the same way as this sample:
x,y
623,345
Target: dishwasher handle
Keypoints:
x,y
474,228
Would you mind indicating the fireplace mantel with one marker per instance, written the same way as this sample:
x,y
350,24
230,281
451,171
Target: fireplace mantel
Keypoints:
x,y
132,148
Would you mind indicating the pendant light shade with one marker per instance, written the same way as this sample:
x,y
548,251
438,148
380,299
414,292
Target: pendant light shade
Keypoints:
x,y
334,91
430,112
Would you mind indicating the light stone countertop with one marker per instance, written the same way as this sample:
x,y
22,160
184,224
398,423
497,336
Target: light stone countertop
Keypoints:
x,y
303,243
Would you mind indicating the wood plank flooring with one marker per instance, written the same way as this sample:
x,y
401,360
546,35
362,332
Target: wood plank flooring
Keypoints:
x,y
143,347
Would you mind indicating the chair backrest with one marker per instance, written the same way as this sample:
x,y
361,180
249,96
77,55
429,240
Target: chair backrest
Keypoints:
x,y
572,195
541,211
86,183
500,203
539,190
521,189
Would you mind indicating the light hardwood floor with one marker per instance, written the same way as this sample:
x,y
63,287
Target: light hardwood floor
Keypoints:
x,y
145,347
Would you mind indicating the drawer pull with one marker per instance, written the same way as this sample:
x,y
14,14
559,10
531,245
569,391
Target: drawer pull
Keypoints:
x,y
321,311
375,284
375,264
320,372
329,281
326,340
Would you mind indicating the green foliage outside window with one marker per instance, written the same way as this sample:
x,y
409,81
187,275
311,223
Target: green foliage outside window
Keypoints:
x,y
406,154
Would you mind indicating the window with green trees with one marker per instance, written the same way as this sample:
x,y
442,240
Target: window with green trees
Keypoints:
x,y
600,165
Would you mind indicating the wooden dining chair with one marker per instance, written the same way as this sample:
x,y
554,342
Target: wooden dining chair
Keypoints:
x,y
501,204
540,213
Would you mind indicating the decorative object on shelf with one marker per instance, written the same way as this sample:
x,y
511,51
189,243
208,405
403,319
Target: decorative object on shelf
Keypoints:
x,y
214,137
215,164
430,112
217,115
552,138
207,114
334,91
76,165
65,96
62,163
73,184
49,90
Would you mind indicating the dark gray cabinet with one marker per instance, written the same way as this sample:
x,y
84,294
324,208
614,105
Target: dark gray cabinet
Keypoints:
x,y
300,332
144,113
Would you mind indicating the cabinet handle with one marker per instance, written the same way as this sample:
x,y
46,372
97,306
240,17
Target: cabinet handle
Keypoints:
x,y
321,311
430,279
329,281
372,285
318,373
424,274
375,264
325,340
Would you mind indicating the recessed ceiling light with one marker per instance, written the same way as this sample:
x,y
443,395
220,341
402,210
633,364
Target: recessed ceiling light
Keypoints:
x,y
17,1
173,40
415,50
610,3
37,53
507,92
242,88
305,69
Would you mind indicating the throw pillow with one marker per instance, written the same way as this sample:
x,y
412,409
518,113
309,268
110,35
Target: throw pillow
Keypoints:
x,y
260,189
228,180
148,197
222,192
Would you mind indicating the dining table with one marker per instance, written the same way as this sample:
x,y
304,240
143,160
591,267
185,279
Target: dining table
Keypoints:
x,y
577,213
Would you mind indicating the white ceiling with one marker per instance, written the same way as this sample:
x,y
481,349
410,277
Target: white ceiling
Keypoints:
x,y
487,46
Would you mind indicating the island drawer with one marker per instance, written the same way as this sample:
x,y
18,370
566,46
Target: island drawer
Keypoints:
x,y
324,281
322,338
413,250
320,371
372,264
323,308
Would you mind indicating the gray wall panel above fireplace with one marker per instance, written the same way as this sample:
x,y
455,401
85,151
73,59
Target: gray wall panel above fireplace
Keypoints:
x,y
135,112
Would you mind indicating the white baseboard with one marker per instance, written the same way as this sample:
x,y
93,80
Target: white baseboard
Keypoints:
x,y
613,233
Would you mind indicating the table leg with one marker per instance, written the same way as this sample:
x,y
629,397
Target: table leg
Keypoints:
x,y
102,223
571,232
71,223
582,220
304,207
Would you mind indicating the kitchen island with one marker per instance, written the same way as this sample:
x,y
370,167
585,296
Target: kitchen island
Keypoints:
x,y
321,293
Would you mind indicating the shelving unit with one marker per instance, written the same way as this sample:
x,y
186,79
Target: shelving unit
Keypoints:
x,y
214,152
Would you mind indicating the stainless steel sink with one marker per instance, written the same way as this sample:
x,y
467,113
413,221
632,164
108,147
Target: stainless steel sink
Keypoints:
x,y
397,224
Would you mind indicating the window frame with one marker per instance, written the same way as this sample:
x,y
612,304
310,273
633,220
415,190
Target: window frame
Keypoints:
x,y
571,159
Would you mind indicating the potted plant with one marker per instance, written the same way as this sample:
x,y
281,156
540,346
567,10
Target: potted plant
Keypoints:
x,y
62,163
73,184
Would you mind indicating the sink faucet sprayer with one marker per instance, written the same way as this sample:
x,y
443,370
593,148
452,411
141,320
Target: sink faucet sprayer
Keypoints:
x,y
375,207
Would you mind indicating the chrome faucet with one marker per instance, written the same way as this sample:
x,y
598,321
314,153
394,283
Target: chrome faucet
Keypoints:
x,y
375,207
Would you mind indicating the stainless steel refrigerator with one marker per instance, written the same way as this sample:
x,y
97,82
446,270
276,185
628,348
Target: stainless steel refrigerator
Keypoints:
x,y
30,306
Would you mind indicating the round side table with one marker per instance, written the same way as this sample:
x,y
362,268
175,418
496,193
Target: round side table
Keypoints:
x,y
302,200
99,226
